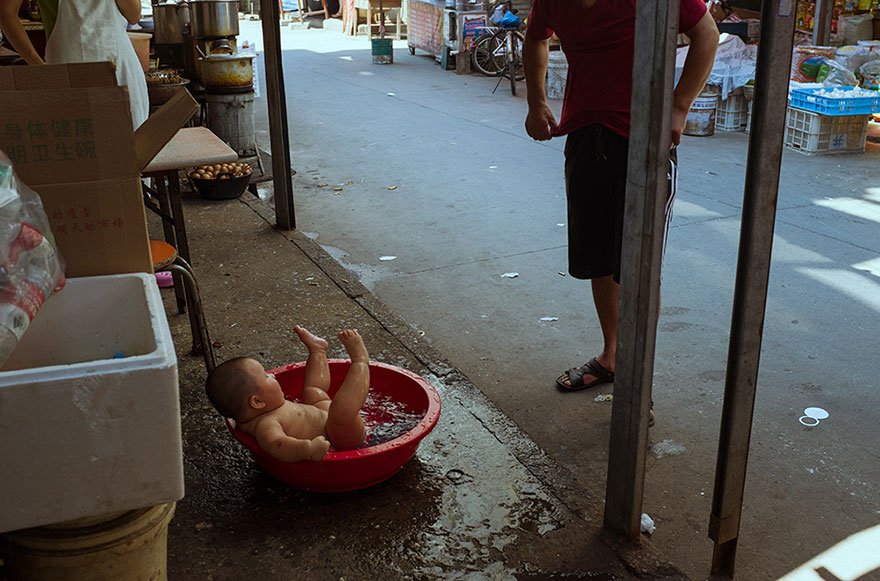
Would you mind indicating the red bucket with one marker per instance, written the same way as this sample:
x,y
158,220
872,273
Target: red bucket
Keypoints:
x,y
353,469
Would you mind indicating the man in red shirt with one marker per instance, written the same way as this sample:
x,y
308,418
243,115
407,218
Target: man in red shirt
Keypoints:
x,y
598,39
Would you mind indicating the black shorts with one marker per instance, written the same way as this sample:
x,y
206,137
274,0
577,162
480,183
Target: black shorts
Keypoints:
x,y
595,186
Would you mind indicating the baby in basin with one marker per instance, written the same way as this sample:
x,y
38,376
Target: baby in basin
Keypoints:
x,y
242,390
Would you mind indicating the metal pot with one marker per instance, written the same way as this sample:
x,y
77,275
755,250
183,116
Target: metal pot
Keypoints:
x,y
160,94
170,20
214,18
233,73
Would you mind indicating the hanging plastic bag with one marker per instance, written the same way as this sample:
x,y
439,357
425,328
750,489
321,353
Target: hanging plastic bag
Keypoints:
x,y
498,14
31,268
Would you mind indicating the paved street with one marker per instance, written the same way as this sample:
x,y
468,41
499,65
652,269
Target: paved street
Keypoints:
x,y
432,168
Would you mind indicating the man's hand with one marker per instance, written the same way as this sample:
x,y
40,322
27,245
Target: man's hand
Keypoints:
x,y
679,118
318,448
540,122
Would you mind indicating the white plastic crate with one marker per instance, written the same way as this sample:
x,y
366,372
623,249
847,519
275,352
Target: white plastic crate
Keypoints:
x,y
90,407
732,113
748,128
815,134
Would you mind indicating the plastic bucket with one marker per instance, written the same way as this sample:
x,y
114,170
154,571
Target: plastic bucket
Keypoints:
x,y
141,43
130,545
701,116
382,51
557,74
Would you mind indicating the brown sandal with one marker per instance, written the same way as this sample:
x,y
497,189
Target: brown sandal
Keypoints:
x,y
576,375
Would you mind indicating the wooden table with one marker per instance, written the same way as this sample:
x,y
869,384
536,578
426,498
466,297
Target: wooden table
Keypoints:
x,y
372,6
191,146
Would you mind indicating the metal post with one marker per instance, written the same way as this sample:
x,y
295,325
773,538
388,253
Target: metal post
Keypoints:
x,y
648,165
285,214
752,275
822,22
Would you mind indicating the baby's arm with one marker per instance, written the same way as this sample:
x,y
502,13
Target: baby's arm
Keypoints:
x,y
271,437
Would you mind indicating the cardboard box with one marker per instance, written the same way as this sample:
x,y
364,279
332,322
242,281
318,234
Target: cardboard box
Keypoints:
x,y
68,131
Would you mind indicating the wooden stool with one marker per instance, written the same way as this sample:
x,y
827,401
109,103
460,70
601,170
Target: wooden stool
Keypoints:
x,y
166,259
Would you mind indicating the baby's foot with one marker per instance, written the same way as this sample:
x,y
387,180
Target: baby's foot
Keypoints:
x,y
311,341
354,345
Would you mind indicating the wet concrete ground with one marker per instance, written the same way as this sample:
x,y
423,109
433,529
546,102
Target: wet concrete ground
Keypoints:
x,y
479,501
474,197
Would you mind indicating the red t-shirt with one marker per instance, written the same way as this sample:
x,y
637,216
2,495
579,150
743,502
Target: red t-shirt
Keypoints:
x,y
599,43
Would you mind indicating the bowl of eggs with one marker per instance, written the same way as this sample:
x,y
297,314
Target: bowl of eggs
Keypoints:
x,y
221,181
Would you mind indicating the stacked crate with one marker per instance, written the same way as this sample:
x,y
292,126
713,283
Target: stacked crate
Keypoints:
x,y
732,112
820,125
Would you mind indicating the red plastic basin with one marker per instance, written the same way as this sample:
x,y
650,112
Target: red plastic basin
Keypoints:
x,y
353,469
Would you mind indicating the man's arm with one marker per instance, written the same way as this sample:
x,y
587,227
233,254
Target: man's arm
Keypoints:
x,y
540,120
697,66
14,31
271,438
130,9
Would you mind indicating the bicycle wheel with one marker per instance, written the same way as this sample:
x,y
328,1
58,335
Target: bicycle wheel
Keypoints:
x,y
512,58
483,55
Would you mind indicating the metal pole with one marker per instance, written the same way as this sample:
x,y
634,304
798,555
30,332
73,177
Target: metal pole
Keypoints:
x,y
752,275
285,214
644,227
822,22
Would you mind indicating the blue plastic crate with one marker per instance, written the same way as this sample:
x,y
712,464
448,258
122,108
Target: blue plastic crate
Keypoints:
x,y
807,100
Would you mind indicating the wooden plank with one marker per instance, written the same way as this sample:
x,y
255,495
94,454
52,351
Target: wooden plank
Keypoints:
x,y
285,214
752,276
822,22
644,227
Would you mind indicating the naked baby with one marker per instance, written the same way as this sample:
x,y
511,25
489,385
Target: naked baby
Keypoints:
x,y
291,432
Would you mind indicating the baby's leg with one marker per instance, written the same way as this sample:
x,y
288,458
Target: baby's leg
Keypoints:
x,y
317,397
345,428
317,369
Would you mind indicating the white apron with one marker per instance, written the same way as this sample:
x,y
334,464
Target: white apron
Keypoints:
x,y
94,30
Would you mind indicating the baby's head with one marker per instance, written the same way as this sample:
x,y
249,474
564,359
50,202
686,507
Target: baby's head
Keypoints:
x,y
242,390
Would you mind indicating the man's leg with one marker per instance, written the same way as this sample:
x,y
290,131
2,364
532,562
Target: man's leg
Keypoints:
x,y
595,179
606,297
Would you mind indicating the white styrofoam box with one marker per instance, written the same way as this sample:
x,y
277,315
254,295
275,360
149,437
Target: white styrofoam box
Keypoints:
x,y
89,406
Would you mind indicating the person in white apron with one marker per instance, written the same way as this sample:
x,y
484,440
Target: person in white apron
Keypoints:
x,y
95,30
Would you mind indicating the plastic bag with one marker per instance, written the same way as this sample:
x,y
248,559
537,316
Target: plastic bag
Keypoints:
x,y
856,27
806,60
510,20
870,75
734,64
31,268
853,57
498,14
831,73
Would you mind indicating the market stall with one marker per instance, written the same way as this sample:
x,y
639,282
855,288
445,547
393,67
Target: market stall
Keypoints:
x,y
425,26
833,88
80,304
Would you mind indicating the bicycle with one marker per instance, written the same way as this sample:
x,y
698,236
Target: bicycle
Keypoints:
x,y
498,51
